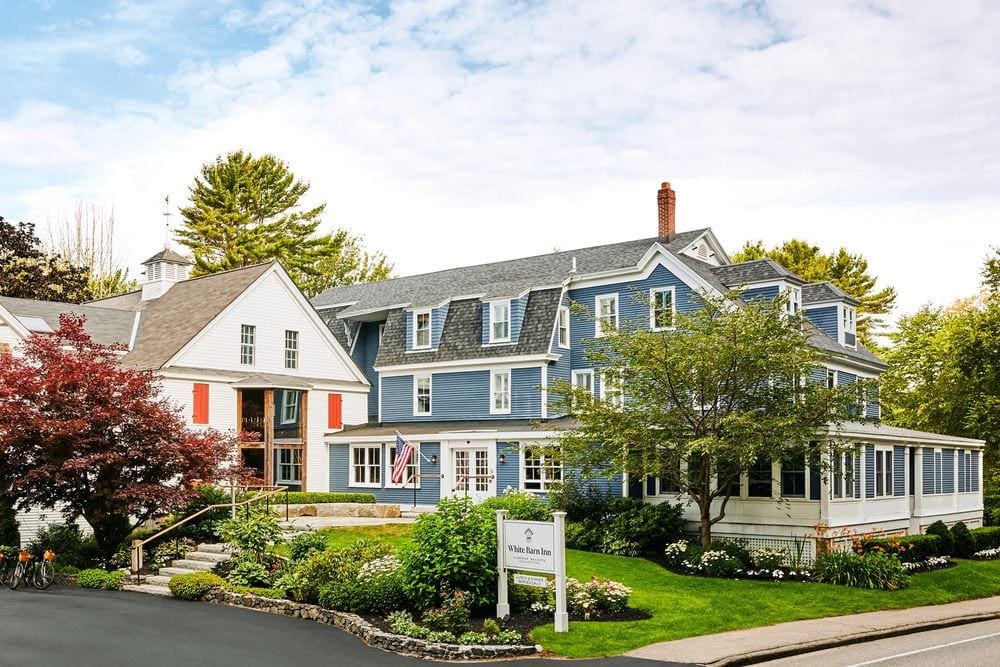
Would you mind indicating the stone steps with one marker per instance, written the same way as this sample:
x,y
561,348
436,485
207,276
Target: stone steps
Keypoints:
x,y
149,589
203,559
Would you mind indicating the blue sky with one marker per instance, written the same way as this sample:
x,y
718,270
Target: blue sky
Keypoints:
x,y
458,132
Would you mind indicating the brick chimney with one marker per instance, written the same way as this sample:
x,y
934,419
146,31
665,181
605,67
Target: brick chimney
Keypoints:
x,y
665,205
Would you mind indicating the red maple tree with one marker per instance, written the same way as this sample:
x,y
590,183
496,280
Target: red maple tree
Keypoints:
x,y
80,432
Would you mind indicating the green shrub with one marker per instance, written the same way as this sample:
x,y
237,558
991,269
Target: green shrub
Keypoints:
x,y
312,497
65,569
206,527
254,529
871,570
69,544
965,545
91,578
947,542
244,570
991,509
304,544
8,523
583,535
452,549
520,598
635,528
736,549
581,499
717,563
520,505
113,580
194,585
378,595
987,537
768,558
908,548
452,615
402,623
320,568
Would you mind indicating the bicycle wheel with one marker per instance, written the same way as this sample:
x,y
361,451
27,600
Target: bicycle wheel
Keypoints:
x,y
18,576
4,572
44,575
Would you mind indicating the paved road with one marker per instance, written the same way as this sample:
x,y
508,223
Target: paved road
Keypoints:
x,y
71,626
972,645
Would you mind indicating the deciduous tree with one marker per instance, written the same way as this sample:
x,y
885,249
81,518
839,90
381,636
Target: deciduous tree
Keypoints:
x,y
87,241
704,401
247,209
847,271
80,432
28,272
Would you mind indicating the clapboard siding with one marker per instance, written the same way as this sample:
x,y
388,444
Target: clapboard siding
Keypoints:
x,y
825,319
429,492
558,370
364,354
508,472
462,395
762,293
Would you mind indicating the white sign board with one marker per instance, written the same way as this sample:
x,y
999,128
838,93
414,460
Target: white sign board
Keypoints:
x,y
529,545
531,580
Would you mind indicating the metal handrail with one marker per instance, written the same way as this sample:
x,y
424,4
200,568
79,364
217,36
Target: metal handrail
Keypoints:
x,y
137,559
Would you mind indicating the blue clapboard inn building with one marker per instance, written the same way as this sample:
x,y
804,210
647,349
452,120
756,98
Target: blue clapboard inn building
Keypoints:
x,y
460,362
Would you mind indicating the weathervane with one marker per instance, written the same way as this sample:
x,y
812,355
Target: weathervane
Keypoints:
x,y
166,222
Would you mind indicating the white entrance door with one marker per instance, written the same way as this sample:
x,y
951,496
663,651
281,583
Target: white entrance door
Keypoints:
x,y
471,473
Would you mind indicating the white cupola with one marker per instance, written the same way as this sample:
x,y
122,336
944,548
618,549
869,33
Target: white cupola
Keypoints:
x,y
163,270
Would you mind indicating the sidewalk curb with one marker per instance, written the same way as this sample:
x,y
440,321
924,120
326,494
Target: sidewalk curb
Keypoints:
x,y
846,640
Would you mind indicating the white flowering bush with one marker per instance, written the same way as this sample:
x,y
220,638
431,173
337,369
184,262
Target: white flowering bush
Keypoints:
x,y
676,554
597,596
717,564
926,565
380,567
768,558
987,554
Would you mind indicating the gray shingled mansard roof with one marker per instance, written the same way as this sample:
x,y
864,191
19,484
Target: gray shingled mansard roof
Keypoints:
x,y
106,326
826,291
510,278
754,271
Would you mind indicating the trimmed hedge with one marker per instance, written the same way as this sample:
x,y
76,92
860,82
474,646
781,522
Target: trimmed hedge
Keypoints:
x,y
909,548
987,537
194,585
97,578
947,541
311,497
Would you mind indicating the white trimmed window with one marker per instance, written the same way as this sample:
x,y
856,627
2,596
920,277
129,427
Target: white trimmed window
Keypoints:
x,y
421,329
289,406
842,475
562,327
661,308
366,465
607,314
584,380
794,300
831,379
248,344
412,473
883,472
611,387
500,392
289,466
291,349
849,325
422,394
540,470
500,321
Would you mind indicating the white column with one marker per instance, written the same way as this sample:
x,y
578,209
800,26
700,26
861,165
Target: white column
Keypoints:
x,y
503,606
561,618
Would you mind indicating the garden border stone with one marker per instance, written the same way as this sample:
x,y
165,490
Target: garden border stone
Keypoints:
x,y
366,510
367,632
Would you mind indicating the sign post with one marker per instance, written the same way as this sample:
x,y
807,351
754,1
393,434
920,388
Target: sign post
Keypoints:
x,y
535,546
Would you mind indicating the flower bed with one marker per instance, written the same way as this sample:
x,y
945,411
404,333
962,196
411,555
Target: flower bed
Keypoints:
x,y
987,554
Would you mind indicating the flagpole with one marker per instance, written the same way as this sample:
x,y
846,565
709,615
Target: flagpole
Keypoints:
x,y
415,448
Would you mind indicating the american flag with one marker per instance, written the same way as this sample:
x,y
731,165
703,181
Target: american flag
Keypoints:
x,y
404,452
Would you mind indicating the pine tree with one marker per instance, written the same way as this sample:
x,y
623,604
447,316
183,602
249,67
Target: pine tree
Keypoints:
x,y
245,210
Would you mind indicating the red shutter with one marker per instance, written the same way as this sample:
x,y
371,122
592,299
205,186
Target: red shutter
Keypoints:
x,y
335,417
200,402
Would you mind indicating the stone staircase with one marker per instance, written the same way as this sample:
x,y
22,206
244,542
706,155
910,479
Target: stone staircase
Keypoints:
x,y
203,558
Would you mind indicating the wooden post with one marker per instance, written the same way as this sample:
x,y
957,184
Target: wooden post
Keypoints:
x,y
269,437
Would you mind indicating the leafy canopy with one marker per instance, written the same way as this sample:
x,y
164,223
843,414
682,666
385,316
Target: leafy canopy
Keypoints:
x,y
28,272
703,401
79,431
847,271
246,210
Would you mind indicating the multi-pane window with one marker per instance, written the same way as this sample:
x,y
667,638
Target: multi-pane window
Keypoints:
x,y
794,300
412,475
540,470
289,406
563,327
499,321
607,313
968,471
759,478
291,349
611,387
831,379
584,380
661,308
500,391
289,466
422,329
729,473
793,476
883,472
842,475
422,395
248,344
366,465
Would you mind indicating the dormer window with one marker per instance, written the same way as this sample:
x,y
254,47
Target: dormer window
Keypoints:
x,y
421,329
849,326
500,321
794,300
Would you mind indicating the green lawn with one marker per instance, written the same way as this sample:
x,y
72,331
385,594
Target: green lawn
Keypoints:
x,y
396,534
685,606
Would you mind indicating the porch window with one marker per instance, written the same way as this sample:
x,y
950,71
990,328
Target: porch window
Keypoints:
x,y
759,478
422,395
607,314
291,349
842,475
728,472
793,476
499,321
541,470
883,472
289,466
248,344
500,383
661,308
366,465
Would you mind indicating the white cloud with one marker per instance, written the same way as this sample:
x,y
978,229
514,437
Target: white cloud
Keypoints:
x,y
456,133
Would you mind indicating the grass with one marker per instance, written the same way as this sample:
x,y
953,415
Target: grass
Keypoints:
x,y
686,606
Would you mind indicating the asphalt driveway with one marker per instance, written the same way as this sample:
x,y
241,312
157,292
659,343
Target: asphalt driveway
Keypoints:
x,y
71,626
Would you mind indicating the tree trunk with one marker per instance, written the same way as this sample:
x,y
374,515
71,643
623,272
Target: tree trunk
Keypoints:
x,y
705,509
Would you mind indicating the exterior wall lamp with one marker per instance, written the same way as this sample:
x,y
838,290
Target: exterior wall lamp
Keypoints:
x,y
503,459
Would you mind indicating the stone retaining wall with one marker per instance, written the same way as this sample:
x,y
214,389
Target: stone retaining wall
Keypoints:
x,y
343,509
368,633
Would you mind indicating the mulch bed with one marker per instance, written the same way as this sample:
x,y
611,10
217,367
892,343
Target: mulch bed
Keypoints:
x,y
526,622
